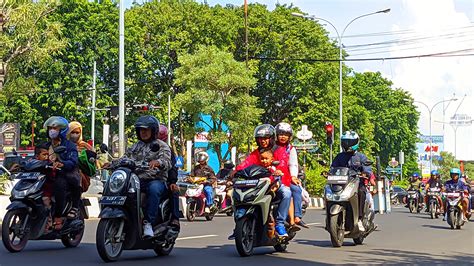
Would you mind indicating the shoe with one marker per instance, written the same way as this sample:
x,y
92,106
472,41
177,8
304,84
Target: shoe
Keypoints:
x,y
147,229
361,226
302,224
464,219
232,236
281,231
294,228
445,217
207,210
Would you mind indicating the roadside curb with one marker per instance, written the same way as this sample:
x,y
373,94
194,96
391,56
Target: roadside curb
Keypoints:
x,y
316,203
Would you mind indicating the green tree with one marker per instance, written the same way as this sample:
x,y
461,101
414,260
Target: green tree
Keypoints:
x,y
217,85
446,162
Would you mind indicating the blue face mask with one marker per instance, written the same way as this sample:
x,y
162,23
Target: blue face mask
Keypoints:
x,y
53,133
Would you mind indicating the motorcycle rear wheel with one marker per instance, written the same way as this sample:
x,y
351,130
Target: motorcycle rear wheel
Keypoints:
x,y
280,247
106,231
336,230
358,240
17,217
244,239
163,250
73,240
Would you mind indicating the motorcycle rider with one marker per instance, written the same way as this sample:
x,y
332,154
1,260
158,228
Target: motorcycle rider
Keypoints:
x,y
284,133
265,138
172,179
415,184
152,181
434,182
355,160
66,167
456,184
204,170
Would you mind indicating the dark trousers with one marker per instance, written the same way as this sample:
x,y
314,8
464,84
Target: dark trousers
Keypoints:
x,y
174,205
362,197
63,185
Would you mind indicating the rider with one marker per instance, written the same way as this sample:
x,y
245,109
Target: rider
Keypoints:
x,y
415,184
284,133
456,184
66,166
204,170
265,139
152,181
355,160
434,182
172,179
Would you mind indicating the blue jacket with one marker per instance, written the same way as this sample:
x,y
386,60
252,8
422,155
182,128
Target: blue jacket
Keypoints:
x,y
451,185
69,158
353,160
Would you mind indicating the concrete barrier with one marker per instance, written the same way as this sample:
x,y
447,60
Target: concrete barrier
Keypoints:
x,y
316,203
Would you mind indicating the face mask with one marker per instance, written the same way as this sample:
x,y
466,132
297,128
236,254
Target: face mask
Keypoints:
x,y
74,137
53,133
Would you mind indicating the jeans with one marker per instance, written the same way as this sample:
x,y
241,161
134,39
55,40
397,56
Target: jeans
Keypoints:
x,y
297,200
209,191
283,193
155,189
175,205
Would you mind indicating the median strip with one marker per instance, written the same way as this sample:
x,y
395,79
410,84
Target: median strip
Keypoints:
x,y
195,237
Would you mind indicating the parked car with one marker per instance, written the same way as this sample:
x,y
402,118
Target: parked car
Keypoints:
x,y
397,194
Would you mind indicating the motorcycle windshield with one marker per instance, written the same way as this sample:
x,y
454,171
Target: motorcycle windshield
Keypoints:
x,y
253,172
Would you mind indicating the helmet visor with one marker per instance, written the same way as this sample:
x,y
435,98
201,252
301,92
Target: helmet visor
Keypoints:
x,y
348,143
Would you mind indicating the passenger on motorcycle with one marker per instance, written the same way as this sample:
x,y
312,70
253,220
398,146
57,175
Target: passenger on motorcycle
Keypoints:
x,y
66,167
204,170
456,184
152,181
434,182
265,139
284,133
172,179
42,154
415,184
355,160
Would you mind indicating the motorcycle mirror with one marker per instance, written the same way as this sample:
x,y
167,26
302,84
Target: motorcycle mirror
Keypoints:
x,y
368,163
325,174
322,162
103,148
276,163
155,147
60,149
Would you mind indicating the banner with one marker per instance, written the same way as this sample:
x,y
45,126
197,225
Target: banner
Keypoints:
x,y
9,137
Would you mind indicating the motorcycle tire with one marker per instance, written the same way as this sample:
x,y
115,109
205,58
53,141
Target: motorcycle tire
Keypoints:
x,y
209,217
190,212
459,221
73,240
230,213
411,207
244,240
6,225
106,230
163,250
358,240
433,210
451,219
280,247
336,230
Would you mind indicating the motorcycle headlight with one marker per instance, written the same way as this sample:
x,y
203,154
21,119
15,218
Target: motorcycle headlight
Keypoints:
x,y
328,193
117,181
346,193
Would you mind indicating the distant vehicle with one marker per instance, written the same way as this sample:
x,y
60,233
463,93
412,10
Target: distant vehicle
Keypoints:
x,y
397,195
17,157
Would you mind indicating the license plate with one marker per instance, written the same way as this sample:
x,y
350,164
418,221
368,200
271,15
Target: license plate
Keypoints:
x,y
245,183
337,179
30,175
113,200
453,194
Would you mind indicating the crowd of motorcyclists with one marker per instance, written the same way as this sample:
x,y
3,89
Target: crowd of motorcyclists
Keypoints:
x,y
71,169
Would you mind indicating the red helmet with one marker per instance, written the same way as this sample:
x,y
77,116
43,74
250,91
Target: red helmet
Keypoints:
x,y
163,133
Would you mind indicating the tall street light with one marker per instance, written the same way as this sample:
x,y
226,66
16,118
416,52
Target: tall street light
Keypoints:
x,y
121,77
339,36
430,110
455,129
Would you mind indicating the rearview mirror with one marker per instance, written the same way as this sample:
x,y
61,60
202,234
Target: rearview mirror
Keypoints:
x,y
368,163
103,148
325,174
323,163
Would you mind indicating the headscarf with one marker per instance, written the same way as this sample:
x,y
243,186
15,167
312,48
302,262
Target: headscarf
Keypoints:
x,y
80,143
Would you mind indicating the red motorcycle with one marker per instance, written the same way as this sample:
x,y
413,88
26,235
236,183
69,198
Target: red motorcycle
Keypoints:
x,y
196,200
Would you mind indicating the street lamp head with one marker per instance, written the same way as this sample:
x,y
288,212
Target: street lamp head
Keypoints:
x,y
384,11
296,14
454,99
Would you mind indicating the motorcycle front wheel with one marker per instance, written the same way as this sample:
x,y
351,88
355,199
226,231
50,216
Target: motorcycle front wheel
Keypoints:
x,y
11,230
245,235
433,208
336,230
163,250
412,206
451,219
108,247
190,211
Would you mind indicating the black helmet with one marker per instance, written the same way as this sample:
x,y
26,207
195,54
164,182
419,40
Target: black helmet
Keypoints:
x,y
228,164
265,131
350,141
147,121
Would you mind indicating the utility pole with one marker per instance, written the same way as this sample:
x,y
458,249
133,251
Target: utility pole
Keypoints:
x,y
121,78
94,77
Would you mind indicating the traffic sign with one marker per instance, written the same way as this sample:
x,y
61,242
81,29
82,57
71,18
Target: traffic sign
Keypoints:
x,y
304,134
393,170
179,162
393,162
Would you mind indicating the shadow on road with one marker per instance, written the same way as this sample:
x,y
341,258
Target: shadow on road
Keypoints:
x,y
422,217
395,256
320,243
446,227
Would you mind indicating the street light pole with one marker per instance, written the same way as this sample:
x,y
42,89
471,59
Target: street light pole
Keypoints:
x,y
339,36
121,78
430,110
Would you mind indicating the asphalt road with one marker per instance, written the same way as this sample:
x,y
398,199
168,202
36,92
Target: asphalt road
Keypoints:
x,y
402,238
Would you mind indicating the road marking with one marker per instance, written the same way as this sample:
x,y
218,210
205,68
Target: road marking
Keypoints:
x,y
313,224
195,237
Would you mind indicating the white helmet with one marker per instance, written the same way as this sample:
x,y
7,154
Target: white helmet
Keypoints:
x,y
283,128
202,156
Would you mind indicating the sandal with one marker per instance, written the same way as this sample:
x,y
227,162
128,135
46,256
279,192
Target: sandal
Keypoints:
x,y
72,213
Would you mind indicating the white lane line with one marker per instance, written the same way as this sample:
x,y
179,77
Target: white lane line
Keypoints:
x,y
313,224
195,237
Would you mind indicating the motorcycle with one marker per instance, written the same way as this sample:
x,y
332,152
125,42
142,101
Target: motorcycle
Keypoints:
x,y
121,217
454,209
196,200
434,207
225,202
255,208
414,204
27,217
342,207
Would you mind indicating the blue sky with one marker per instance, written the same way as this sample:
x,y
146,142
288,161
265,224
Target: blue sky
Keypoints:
x,y
413,28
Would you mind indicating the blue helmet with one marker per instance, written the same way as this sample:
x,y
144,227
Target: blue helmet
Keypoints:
x,y
415,175
350,141
58,121
434,172
455,171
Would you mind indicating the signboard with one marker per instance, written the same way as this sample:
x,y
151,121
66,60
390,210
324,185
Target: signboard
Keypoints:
x,y
201,137
393,170
304,134
179,162
435,138
393,162
423,151
310,145
461,120
9,137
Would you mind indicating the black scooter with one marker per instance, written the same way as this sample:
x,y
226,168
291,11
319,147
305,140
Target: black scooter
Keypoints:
x,y
121,217
27,217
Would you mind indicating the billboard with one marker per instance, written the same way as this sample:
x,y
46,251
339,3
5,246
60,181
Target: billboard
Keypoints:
x,y
424,149
9,137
